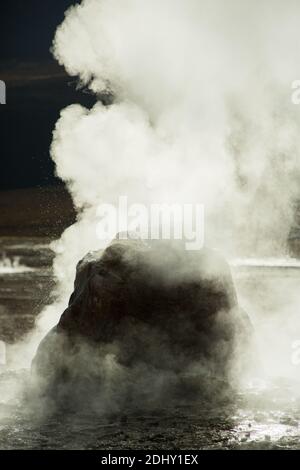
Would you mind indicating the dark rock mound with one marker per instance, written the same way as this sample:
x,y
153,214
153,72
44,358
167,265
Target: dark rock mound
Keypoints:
x,y
146,319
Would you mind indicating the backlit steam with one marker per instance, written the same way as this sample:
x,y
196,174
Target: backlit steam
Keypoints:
x,y
202,113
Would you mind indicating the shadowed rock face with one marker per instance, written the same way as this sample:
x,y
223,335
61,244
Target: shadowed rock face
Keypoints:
x,y
156,309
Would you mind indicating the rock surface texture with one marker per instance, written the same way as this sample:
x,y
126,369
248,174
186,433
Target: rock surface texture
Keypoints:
x,y
147,318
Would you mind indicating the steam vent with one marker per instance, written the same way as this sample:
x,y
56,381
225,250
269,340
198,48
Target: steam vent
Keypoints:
x,y
145,318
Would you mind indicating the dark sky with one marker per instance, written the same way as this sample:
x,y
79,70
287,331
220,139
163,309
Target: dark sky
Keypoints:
x,y
37,89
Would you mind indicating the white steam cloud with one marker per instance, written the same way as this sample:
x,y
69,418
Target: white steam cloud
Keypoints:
x,y
202,113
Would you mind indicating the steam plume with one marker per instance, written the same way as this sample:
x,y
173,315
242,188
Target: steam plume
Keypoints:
x,y
202,113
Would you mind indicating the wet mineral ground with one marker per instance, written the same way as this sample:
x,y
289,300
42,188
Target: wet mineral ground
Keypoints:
x,y
259,418
264,414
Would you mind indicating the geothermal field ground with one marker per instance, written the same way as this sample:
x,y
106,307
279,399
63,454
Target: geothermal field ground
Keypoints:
x,y
263,415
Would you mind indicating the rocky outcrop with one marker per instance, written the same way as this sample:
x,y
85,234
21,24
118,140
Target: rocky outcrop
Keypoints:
x,y
145,315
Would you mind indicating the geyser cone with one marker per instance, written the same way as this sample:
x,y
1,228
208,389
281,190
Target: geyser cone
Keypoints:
x,y
145,313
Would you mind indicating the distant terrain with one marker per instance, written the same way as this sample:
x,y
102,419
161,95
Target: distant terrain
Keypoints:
x,y
29,220
44,212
